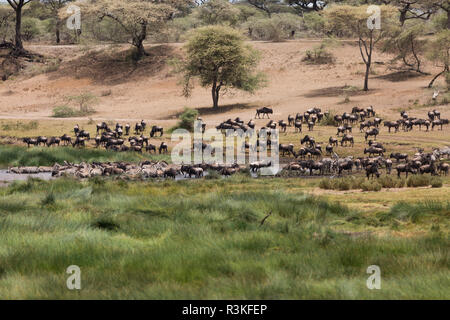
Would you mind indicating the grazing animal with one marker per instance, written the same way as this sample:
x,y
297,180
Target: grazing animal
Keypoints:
x,y
30,141
163,148
66,140
291,120
392,124
372,150
347,139
372,171
307,139
150,148
53,140
399,156
156,129
444,168
298,126
286,148
264,111
373,132
406,168
333,141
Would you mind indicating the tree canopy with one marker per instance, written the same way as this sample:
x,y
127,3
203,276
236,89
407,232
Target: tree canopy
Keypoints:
x,y
218,57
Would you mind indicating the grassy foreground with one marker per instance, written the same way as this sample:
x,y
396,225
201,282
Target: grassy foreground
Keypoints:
x,y
204,240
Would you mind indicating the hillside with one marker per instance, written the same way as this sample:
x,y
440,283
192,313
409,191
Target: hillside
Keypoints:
x,y
149,90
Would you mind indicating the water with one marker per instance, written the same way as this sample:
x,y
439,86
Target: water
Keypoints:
x,y
6,177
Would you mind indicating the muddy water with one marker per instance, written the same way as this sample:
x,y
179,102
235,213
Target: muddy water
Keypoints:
x,y
6,177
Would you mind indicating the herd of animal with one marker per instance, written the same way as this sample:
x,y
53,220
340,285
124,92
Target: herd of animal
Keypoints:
x,y
309,157
110,139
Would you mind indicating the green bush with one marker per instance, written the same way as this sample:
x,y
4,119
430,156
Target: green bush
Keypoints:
x,y
277,28
371,186
390,182
436,182
328,120
418,181
30,28
64,112
326,184
186,120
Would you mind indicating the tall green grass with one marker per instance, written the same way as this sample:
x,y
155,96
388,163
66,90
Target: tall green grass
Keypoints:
x,y
204,240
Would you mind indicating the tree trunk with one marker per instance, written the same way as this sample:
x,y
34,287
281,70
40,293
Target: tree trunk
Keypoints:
x,y
448,19
57,31
368,64
138,41
18,40
58,39
446,69
215,94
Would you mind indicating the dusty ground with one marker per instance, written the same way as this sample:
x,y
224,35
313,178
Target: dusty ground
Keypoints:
x,y
150,91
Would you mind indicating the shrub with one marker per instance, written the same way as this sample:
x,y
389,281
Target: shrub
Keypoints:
x,y
319,55
436,182
418,181
371,186
277,28
390,182
326,184
342,184
187,119
328,120
30,28
212,175
63,112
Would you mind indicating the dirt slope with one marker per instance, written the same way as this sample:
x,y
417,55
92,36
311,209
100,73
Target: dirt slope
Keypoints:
x,y
150,91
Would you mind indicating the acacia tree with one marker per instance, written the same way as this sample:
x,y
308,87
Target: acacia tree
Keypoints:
x,y
219,58
408,44
218,12
18,5
54,7
353,21
439,52
302,6
136,17
5,22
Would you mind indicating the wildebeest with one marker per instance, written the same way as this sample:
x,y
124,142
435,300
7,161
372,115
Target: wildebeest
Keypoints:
x,y
102,127
156,129
286,148
150,148
333,141
298,126
307,139
372,150
372,171
79,142
373,132
42,140
66,140
443,168
347,138
263,111
439,122
392,124
53,140
399,156
30,141
163,148
291,120
405,168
